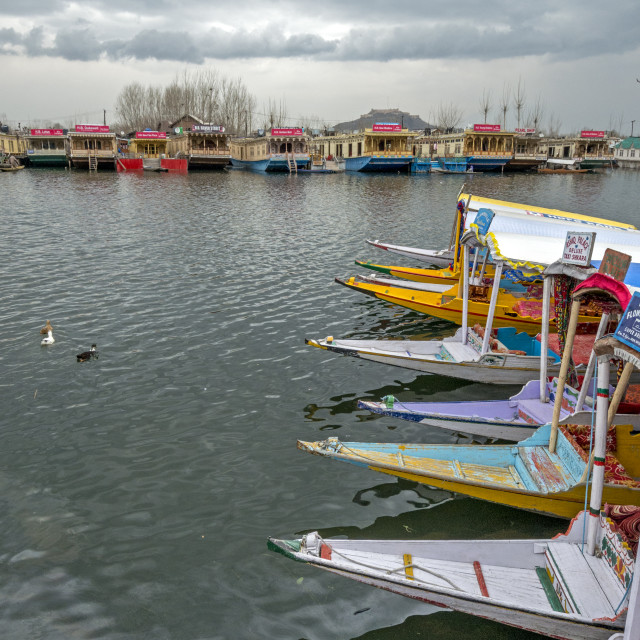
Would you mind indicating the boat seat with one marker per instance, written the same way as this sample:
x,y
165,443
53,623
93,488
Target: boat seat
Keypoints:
x,y
458,352
535,412
586,585
545,469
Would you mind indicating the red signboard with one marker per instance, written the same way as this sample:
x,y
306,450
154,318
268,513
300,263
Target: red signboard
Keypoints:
x,y
592,134
387,126
92,128
286,132
154,135
486,127
46,132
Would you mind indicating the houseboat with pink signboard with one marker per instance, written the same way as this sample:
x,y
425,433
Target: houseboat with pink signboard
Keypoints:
x,y
204,146
148,151
92,147
386,147
47,147
485,147
281,150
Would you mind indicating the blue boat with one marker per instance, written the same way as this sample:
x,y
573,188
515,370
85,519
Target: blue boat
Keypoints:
x,y
281,150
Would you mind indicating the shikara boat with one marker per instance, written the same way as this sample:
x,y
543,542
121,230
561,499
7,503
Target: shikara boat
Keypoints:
x,y
525,475
514,358
549,586
9,167
465,215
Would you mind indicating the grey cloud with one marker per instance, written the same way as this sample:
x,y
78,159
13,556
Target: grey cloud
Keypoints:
x,y
77,44
161,45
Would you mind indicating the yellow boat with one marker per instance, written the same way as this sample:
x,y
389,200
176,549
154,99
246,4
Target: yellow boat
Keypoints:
x,y
526,475
520,310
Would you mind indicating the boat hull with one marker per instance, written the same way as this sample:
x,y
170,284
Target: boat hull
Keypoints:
x,y
449,307
274,164
442,258
524,476
373,164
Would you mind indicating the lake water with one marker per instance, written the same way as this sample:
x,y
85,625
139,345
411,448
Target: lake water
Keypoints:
x,y
138,489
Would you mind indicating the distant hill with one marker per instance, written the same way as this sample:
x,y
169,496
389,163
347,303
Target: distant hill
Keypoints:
x,y
366,121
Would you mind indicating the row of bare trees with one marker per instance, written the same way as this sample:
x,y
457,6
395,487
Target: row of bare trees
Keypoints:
x,y
205,94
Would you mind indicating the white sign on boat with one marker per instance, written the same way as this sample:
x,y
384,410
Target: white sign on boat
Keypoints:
x,y
578,248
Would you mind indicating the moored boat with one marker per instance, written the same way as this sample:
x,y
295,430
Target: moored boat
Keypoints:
x,y
281,150
549,586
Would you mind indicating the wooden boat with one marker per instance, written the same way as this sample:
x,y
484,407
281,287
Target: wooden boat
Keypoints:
x,y
11,168
512,419
526,475
562,171
514,358
549,586
511,310
466,213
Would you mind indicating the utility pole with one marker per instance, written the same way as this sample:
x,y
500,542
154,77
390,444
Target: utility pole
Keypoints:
x,y
632,123
104,116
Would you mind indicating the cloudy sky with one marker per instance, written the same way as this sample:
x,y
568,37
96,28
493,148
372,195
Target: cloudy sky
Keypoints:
x,y
334,59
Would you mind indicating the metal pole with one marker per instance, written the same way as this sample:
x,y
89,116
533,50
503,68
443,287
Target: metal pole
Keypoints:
x,y
618,394
465,293
588,374
492,307
544,339
599,452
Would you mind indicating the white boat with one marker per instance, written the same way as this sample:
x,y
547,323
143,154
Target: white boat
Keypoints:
x,y
547,586
452,358
441,258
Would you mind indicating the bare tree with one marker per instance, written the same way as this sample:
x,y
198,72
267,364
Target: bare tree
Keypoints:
x,y
519,98
275,114
534,116
485,104
448,116
553,126
615,124
505,101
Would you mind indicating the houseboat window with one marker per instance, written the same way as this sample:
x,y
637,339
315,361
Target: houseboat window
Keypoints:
x,y
457,149
633,153
350,149
359,148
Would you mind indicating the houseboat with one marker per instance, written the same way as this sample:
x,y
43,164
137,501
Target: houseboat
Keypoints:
x,y
530,151
591,149
92,147
205,146
485,147
11,144
385,147
627,153
281,150
47,147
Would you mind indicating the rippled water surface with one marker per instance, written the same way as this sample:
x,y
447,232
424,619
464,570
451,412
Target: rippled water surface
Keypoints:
x,y
138,490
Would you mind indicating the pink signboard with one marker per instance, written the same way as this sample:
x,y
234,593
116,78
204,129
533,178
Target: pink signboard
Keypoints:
x,y
286,132
486,127
592,134
46,132
92,128
387,126
153,135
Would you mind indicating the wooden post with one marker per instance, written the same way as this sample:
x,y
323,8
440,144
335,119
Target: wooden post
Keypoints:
x,y
544,338
562,376
618,394
465,293
492,307
599,452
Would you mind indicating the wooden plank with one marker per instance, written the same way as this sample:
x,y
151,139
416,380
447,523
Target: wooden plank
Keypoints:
x,y
408,566
479,575
549,591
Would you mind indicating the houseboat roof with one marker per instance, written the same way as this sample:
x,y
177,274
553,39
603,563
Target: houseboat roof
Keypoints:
x,y
629,143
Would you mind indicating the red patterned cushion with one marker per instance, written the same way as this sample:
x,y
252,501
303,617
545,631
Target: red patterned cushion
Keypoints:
x,y
615,473
581,433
